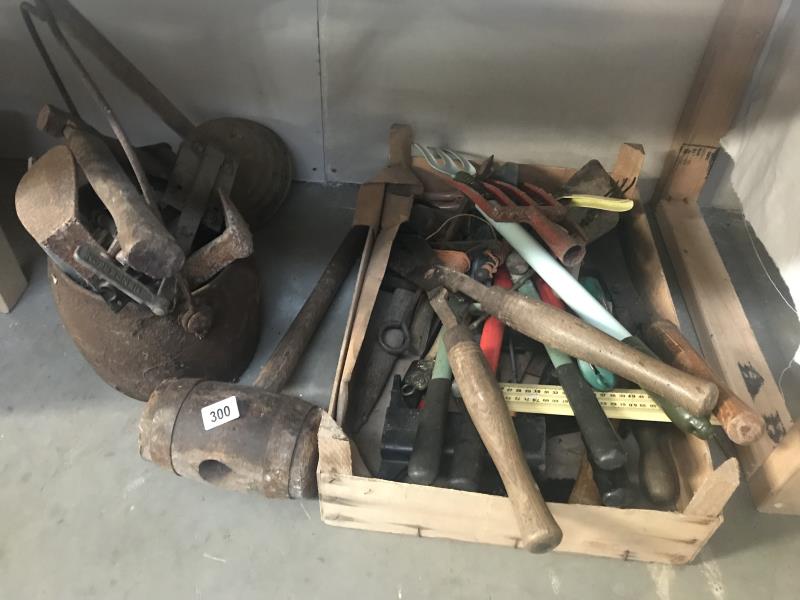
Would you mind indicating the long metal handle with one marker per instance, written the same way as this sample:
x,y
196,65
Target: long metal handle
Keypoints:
x,y
117,63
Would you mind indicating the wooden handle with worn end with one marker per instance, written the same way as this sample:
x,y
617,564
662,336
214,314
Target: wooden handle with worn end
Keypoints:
x,y
657,475
741,423
483,398
565,332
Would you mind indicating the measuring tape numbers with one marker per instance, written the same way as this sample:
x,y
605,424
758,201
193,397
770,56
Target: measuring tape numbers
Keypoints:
x,y
632,405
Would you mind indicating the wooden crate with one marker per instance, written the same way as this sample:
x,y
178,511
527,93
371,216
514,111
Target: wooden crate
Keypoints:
x,y
772,465
351,498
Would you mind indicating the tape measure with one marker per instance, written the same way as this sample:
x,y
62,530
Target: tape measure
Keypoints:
x,y
632,405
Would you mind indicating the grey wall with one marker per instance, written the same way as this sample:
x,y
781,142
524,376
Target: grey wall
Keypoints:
x,y
557,81
551,81
249,58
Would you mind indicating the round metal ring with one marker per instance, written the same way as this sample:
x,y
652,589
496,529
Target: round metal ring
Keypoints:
x,y
391,326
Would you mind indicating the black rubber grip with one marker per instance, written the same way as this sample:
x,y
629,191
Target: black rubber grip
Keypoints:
x,y
469,459
601,440
423,466
614,487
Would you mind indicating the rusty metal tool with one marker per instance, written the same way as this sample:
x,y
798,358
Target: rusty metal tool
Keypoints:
x,y
234,243
741,423
284,359
539,531
104,268
101,48
156,159
264,163
200,173
47,205
387,338
492,200
43,11
145,243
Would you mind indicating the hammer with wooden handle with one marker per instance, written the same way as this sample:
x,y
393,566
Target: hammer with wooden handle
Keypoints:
x,y
572,336
741,423
145,243
484,401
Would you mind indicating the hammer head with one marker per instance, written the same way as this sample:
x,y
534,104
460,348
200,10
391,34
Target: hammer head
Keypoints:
x,y
47,205
53,121
233,243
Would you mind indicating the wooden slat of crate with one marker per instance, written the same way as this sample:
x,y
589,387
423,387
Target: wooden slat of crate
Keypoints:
x,y
424,511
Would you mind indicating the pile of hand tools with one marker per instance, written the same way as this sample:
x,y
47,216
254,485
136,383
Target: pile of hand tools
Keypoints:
x,y
497,270
146,244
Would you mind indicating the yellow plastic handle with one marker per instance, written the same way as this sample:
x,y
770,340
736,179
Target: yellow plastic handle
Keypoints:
x,y
600,202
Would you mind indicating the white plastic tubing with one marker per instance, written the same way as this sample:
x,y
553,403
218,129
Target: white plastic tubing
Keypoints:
x,y
557,277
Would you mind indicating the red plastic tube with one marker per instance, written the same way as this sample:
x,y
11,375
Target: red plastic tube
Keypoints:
x,y
493,329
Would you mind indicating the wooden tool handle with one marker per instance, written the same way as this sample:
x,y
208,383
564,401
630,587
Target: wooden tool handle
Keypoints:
x,y
483,398
657,474
565,332
284,359
741,423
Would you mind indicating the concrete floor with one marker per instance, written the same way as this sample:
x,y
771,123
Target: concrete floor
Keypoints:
x,y
83,516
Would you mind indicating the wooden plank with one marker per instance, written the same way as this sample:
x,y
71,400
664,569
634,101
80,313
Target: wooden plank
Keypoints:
x,y
395,212
12,280
721,80
726,339
776,484
693,464
644,263
714,492
424,511
691,456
